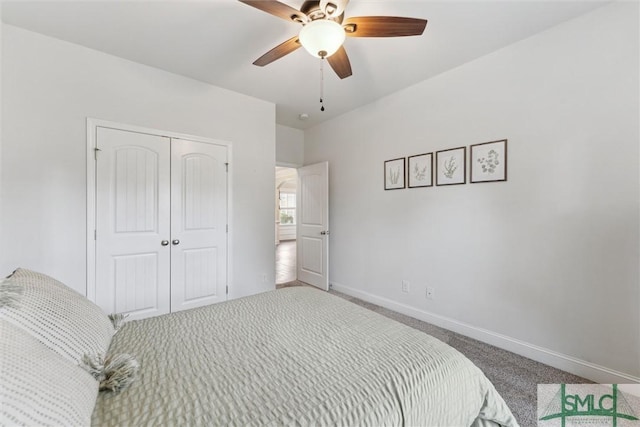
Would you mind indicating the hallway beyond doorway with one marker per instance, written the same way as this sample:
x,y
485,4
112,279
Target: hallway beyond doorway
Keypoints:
x,y
285,261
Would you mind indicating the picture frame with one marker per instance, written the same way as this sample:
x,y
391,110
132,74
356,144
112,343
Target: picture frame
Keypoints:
x,y
420,170
394,174
451,166
488,161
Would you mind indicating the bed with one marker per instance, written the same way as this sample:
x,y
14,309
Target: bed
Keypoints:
x,y
295,356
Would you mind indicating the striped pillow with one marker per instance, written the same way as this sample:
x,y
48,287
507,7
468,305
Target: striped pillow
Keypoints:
x,y
40,387
59,317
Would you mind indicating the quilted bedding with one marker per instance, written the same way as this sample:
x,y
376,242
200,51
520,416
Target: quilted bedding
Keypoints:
x,y
296,356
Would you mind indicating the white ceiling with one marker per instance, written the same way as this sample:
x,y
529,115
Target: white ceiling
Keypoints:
x,y
216,41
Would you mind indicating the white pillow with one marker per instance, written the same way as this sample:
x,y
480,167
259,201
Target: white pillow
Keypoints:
x,y
59,317
40,387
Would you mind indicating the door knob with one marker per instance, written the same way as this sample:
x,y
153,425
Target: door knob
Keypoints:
x,y
164,242
324,233
175,242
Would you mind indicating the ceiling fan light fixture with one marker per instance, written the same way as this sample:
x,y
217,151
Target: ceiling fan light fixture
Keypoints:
x,y
322,38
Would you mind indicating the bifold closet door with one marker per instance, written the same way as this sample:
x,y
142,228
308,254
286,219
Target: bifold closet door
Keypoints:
x,y
132,223
198,224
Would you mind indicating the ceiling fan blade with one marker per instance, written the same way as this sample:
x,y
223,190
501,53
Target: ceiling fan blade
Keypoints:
x,y
278,52
333,8
383,26
278,9
339,61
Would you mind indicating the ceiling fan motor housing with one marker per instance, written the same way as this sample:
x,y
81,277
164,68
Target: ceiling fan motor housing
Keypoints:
x,y
312,9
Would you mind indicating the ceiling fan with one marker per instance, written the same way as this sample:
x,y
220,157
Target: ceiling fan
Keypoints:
x,y
324,30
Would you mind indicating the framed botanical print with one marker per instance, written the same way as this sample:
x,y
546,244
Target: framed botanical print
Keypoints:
x,y
451,166
489,161
394,174
420,170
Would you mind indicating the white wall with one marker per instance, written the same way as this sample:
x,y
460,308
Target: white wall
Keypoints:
x,y
1,25
289,146
545,261
51,87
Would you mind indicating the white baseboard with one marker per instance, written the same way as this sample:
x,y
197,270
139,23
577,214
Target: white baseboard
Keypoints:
x,y
582,368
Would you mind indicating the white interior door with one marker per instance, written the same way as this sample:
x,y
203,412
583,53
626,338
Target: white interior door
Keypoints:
x,y
313,225
132,223
198,224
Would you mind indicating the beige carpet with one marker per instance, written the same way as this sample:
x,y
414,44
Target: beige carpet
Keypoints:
x,y
515,377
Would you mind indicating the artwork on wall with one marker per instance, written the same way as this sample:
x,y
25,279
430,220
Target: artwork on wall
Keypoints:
x,y
420,170
451,166
394,174
489,161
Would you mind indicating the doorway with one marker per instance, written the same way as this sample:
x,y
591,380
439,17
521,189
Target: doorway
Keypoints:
x,y
286,221
302,217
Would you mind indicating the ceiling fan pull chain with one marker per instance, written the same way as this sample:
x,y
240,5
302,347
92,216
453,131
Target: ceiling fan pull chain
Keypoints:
x,y
321,83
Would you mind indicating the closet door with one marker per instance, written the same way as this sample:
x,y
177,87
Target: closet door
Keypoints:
x,y
132,223
198,224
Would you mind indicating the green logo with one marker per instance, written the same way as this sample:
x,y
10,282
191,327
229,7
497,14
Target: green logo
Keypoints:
x,y
611,406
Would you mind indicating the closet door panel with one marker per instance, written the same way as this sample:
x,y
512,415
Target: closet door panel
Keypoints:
x,y
198,224
132,220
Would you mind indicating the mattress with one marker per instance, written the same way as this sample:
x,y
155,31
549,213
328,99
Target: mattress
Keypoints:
x,y
295,356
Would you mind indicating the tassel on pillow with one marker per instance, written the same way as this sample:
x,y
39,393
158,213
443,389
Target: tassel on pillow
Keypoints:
x,y
117,320
10,293
114,372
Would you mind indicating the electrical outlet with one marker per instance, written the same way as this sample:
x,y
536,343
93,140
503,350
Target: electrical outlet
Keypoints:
x,y
405,286
430,292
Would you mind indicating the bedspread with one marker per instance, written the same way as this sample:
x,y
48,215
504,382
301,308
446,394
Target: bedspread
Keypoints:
x,y
295,356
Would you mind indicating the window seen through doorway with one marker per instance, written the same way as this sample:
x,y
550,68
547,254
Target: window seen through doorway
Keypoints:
x,y
287,208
